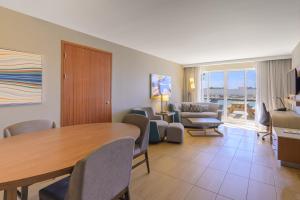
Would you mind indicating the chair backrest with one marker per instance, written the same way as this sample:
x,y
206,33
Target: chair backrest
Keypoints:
x,y
143,123
139,111
27,127
150,112
264,116
104,173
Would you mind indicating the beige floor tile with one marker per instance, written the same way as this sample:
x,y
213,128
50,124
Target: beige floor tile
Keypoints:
x,y
234,187
287,194
259,190
164,164
287,178
198,193
203,158
246,147
156,185
234,143
243,155
262,174
240,168
265,160
219,197
220,163
211,180
210,149
226,152
185,153
187,171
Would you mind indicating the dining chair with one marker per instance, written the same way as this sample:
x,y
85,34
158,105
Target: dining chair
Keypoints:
x,y
102,175
141,144
28,127
23,128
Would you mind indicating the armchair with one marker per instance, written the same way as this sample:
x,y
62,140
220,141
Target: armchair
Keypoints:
x,y
157,125
151,114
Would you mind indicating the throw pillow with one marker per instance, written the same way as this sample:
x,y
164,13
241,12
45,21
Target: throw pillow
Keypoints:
x,y
195,108
204,108
185,107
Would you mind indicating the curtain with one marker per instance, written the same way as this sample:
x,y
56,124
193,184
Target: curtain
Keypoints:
x,y
190,84
271,83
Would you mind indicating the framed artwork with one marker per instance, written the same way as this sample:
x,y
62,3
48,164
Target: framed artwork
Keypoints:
x,y
160,85
20,78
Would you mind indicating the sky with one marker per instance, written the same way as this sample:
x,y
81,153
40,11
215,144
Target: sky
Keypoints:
x,y
235,79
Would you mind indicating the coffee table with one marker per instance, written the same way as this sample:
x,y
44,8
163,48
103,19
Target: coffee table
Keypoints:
x,y
204,124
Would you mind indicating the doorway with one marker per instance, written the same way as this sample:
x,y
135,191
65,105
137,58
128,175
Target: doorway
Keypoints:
x,y
85,85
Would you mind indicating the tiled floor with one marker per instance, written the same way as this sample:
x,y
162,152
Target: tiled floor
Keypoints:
x,y
236,166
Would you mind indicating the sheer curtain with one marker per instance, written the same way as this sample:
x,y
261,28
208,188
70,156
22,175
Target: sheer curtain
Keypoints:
x,y
271,83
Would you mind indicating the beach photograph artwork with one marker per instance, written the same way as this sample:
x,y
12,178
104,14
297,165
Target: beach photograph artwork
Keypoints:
x,y
20,78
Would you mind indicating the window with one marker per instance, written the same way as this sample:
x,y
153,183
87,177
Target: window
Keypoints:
x,y
233,90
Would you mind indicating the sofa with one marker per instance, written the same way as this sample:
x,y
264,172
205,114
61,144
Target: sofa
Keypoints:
x,y
187,110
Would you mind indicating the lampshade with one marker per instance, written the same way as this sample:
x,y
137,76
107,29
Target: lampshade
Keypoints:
x,y
165,97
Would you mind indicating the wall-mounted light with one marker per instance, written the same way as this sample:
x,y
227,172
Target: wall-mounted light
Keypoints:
x,y
192,83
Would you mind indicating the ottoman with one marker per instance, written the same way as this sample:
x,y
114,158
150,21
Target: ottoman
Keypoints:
x,y
175,132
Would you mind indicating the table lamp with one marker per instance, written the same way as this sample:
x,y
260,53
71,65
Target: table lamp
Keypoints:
x,y
163,98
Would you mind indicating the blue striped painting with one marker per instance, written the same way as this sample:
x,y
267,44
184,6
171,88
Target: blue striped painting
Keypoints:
x,y
20,78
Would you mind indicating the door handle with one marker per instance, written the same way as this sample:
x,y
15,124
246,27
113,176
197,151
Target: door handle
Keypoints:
x,y
107,102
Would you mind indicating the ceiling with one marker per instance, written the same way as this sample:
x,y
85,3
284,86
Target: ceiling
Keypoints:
x,y
183,31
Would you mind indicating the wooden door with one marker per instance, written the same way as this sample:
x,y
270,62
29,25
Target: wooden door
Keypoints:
x,y
86,85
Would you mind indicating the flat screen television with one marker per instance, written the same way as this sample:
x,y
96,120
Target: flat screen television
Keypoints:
x,y
293,81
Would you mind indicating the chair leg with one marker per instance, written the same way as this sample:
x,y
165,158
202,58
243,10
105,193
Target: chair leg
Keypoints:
x,y
4,195
24,193
147,162
127,194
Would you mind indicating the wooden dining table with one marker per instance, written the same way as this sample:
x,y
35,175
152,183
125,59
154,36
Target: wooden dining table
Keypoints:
x,y
34,157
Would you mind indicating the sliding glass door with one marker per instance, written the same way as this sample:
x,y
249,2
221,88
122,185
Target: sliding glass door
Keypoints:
x,y
213,88
233,90
251,93
236,95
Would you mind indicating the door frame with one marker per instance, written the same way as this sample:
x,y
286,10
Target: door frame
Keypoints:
x,y
62,74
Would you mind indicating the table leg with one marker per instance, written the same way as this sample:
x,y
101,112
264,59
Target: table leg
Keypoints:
x,y
11,193
217,131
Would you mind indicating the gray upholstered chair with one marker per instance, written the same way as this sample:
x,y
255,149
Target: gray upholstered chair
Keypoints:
x,y
151,115
157,125
103,175
28,127
23,128
141,144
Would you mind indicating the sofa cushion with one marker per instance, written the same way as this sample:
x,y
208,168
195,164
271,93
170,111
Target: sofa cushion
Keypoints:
x,y
199,115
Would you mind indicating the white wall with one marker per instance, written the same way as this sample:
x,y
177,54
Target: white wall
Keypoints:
x,y
296,56
131,68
